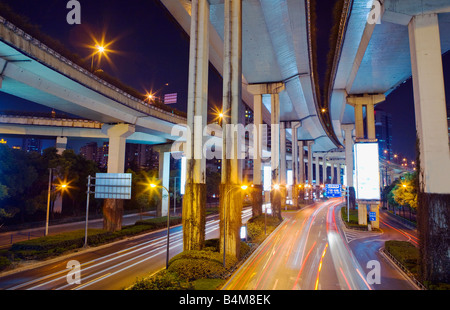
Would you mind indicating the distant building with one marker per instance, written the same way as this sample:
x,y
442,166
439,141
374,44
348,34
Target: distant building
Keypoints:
x,y
89,151
137,156
141,156
383,131
92,151
32,145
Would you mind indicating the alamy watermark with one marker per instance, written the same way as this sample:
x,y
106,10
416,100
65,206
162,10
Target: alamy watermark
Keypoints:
x,y
74,274
241,141
374,275
74,15
374,16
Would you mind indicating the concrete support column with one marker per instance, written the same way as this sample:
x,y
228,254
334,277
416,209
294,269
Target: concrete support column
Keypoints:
x,y
348,136
113,208
375,208
295,164
332,172
301,163
61,144
275,194
164,178
358,101
231,195
257,161
283,177
310,162
359,121
338,172
348,129
194,200
257,91
324,170
317,171
431,124
370,118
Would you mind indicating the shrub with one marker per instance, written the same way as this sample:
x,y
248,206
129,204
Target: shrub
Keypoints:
x,y
159,222
193,265
163,280
46,246
4,263
255,227
406,253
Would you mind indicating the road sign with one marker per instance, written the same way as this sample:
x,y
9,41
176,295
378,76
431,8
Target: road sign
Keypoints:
x,y
372,216
333,190
113,185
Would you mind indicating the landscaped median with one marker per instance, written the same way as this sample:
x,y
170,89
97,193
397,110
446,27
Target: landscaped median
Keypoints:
x,y
204,270
54,245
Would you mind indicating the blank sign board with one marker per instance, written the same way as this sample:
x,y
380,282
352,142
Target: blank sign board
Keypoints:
x,y
113,185
367,171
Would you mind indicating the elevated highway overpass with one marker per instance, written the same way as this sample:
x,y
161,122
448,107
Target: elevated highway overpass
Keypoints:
x,y
380,45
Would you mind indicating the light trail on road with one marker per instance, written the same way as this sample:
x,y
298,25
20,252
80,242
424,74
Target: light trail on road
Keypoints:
x,y
101,272
308,251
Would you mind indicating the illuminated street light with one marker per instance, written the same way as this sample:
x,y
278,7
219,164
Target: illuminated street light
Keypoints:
x,y
59,187
99,50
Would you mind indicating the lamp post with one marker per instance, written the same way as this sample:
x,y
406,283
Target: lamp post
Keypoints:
x,y
242,187
153,185
100,50
50,172
63,186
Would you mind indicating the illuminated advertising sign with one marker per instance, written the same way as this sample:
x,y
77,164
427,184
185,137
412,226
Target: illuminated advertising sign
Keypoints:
x,y
367,171
183,175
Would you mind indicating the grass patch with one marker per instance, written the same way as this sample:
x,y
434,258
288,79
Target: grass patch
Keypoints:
x,y
406,253
353,217
208,284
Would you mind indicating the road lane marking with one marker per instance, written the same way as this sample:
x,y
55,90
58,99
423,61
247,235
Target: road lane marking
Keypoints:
x,y
92,280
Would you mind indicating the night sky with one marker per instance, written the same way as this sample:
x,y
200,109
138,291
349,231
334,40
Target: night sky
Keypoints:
x,y
151,50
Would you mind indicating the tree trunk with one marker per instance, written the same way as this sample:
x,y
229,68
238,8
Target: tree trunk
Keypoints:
x,y
112,214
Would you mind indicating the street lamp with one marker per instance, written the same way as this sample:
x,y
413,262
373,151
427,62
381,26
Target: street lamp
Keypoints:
x,y
99,50
153,185
243,188
62,186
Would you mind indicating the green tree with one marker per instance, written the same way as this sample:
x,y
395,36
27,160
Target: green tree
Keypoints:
x,y
17,176
73,169
405,191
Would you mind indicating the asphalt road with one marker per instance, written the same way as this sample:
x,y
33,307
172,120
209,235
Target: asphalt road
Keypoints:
x,y
7,238
109,267
311,250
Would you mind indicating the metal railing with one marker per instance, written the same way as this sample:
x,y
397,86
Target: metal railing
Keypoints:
x,y
404,269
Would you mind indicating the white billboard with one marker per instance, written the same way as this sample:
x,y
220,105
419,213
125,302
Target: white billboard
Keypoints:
x,y
183,175
367,171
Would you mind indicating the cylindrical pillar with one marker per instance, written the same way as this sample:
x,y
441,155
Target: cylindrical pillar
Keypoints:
x,y
194,200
